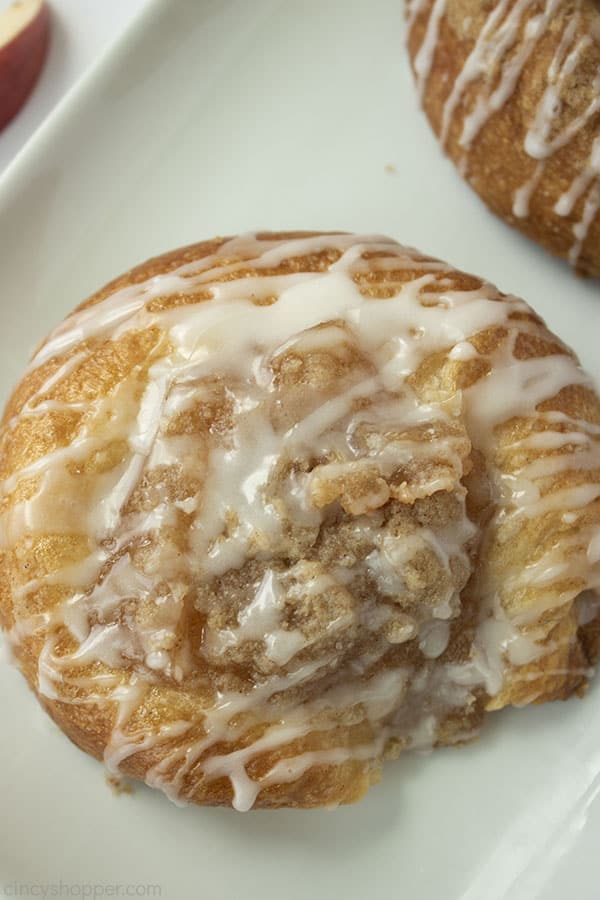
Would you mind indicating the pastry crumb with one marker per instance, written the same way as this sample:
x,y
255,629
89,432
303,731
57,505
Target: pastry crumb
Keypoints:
x,y
119,784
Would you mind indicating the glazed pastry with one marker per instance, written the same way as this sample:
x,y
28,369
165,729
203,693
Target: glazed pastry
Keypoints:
x,y
512,90
276,507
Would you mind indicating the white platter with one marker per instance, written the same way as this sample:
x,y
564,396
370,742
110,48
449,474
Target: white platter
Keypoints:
x,y
218,117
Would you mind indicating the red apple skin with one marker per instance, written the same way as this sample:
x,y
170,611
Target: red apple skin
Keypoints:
x,y
21,61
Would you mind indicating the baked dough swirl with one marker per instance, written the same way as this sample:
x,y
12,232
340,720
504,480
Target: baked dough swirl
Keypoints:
x,y
512,90
276,507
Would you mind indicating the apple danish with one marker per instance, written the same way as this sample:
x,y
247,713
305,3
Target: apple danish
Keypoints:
x,y
280,506
512,90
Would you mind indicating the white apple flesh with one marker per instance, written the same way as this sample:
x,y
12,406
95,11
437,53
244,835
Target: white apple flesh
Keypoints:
x,y
24,32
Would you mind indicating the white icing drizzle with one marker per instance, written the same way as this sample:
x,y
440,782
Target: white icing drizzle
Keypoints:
x,y
542,140
229,344
523,194
581,229
497,37
424,58
413,9
488,79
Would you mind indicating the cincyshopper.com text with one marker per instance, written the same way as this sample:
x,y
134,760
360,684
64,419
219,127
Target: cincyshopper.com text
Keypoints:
x,y
86,889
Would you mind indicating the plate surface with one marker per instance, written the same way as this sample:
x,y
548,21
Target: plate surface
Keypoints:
x,y
218,117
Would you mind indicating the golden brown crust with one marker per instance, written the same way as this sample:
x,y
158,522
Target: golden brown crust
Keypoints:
x,y
497,164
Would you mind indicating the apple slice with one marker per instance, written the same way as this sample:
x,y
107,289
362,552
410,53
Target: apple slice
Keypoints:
x,y
24,31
